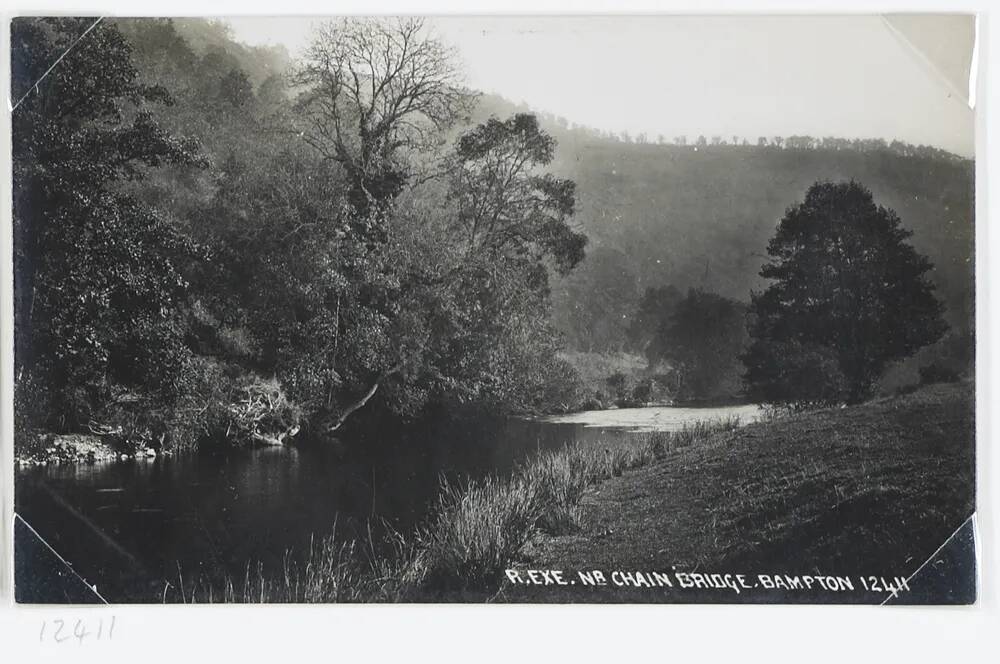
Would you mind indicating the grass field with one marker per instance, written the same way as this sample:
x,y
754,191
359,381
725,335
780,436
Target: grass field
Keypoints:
x,y
872,489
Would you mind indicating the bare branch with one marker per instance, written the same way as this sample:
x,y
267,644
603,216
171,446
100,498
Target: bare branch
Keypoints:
x,y
376,91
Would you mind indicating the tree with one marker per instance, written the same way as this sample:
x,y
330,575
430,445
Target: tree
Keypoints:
x,y
451,308
850,296
489,249
281,253
376,97
376,92
97,275
655,309
703,339
504,205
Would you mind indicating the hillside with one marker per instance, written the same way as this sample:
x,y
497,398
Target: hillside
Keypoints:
x,y
701,216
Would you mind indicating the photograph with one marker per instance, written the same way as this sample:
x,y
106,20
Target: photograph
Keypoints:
x,y
511,309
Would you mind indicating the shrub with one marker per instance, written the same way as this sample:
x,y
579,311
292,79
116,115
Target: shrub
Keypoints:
x,y
802,375
221,403
643,391
31,404
620,387
135,420
702,340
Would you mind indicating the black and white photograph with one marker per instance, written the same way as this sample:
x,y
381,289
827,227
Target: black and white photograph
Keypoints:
x,y
424,309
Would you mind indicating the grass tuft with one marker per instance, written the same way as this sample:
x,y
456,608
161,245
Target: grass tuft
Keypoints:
x,y
476,533
560,480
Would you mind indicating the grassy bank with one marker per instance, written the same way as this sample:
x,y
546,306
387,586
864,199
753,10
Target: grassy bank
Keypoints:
x,y
869,489
872,489
474,532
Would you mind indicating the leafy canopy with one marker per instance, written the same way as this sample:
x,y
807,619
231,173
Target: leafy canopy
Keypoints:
x,y
97,274
850,296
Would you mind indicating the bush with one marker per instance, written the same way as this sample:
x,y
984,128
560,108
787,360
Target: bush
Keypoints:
x,y
642,393
702,340
31,404
800,374
220,403
620,387
652,389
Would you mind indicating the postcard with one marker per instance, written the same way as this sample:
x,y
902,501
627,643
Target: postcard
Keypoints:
x,y
580,309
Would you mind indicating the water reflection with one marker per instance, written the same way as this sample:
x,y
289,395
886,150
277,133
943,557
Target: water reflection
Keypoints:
x,y
127,526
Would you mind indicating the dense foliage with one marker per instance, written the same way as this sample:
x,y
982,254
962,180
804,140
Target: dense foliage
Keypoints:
x,y
703,339
651,318
98,274
337,240
215,242
849,297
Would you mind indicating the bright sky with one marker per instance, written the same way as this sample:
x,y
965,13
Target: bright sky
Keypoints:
x,y
849,76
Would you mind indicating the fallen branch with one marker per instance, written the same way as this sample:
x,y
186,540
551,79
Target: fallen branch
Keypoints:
x,y
360,403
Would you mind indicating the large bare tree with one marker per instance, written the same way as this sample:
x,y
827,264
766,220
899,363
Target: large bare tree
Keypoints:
x,y
376,92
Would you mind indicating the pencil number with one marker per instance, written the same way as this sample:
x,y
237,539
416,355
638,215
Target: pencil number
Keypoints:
x,y
78,631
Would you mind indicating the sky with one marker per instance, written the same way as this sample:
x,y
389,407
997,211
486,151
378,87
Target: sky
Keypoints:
x,y
847,76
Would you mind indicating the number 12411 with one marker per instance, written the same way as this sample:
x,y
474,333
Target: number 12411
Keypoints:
x,y
60,631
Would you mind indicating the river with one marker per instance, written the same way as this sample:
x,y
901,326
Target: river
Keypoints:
x,y
128,527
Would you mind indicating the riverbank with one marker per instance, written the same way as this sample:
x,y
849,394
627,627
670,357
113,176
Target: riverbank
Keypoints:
x,y
459,551
655,417
55,449
873,489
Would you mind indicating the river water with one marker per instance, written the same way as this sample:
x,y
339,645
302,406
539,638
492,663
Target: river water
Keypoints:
x,y
129,527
